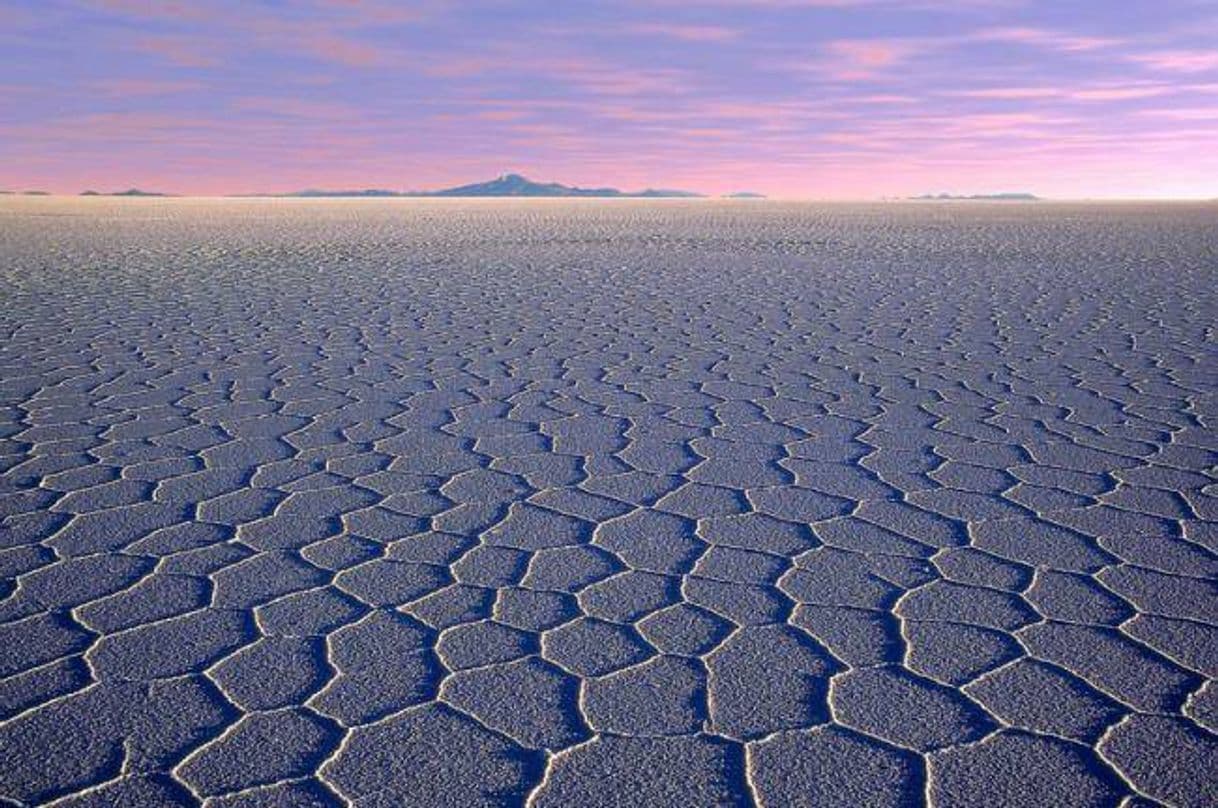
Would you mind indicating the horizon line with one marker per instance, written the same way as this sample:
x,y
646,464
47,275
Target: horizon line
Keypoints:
x,y
626,197
526,188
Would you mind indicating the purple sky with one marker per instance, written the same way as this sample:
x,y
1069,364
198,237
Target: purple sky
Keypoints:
x,y
801,98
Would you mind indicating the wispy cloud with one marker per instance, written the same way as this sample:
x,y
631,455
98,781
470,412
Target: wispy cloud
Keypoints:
x,y
143,87
1042,38
1185,114
1119,93
938,6
1007,93
164,11
688,33
1100,92
330,31
299,108
861,59
341,50
1179,61
866,59
180,49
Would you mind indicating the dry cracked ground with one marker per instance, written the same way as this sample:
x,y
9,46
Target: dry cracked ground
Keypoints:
x,y
607,503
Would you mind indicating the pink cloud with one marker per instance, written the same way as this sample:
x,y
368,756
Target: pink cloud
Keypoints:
x,y
14,91
1008,93
329,40
332,37
604,78
869,59
376,12
1085,93
460,66
183,51
134,87
13,18
988,122
1040,37
689,33
883,99
299,108
110,127
344,51
1119,93
168,10
869,53
842,4
1179,61
620,112
862,59
501,114
741,110
1187,114
597,78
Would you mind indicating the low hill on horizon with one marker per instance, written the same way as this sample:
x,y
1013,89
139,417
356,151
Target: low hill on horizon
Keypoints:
x,y
1008,196
128,192
504,185
319,192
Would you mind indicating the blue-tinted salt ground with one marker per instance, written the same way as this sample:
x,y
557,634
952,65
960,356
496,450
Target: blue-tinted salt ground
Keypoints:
x,y
388,503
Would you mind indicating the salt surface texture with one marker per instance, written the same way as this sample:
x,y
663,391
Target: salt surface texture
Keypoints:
x,y
426,502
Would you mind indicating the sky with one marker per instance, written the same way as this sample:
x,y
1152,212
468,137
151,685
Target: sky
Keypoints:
x,y
825,99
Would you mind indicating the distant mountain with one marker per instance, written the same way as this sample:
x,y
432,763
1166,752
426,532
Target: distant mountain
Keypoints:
x,y
505,185
128,192
364,192
1008,197
744,195
664,193
516,185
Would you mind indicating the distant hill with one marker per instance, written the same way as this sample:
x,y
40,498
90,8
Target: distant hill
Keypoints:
x,y
516,185
128,192
665,193
363,192
1008,197
505,185
744,195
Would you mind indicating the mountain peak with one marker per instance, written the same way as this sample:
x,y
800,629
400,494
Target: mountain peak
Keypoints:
x,y
512,184
509,184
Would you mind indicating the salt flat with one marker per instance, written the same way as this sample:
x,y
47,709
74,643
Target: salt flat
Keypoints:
x,y
426,502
